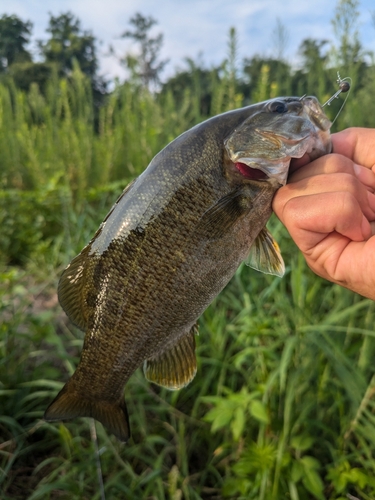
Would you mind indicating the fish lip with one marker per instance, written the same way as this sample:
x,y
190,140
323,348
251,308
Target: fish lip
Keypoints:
x,y
315,112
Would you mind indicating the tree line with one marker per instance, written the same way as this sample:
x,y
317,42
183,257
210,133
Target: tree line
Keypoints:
x,y
255,78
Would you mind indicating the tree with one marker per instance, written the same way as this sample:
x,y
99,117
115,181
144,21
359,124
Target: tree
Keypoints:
x,y
349,56
145,66
14,35
278,75
311,53
24,74
280,39
195,80
68,43
345,27
313,77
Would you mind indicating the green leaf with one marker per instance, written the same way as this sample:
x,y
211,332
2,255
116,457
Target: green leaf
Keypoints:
x,y
356,476
230,487
297,471
310,463
302,443
258,411
313,483
219,416
311,478
238,423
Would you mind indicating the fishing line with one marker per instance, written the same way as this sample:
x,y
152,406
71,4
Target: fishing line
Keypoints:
x,y
94,439
344,86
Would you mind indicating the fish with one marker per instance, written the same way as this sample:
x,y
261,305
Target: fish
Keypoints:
x,y
171,243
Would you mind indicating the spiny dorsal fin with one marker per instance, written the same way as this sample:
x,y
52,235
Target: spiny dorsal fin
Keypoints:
x,y
176,367
265,255
70,404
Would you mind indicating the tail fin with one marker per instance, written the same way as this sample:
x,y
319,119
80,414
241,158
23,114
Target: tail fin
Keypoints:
x,y
70,404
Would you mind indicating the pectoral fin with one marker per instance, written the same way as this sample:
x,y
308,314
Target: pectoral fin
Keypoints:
x,y
265,255
220,217
176,367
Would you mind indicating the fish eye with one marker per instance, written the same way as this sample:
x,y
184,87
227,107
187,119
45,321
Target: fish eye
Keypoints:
x,y
278,107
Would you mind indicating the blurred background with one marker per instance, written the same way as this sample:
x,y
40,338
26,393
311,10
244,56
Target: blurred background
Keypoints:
x,y
283,402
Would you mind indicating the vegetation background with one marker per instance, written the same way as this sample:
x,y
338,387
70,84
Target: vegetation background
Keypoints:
x,y
283,403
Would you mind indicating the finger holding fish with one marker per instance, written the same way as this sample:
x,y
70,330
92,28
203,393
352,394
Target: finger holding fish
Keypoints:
x,y
358,144
310,217
328,208
334,164
324,177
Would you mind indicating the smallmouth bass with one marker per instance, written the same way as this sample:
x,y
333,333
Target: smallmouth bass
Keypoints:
x,y
171,243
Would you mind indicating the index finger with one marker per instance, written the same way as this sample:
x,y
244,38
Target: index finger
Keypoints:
x,y
356,143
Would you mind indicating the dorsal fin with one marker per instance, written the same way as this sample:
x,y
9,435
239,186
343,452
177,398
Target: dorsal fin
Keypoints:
x,y
176,367
71,290
72,284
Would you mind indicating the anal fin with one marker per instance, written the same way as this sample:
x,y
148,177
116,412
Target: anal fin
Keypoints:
x,y
176,367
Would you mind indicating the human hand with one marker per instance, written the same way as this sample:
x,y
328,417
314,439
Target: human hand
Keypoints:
x,y
328,207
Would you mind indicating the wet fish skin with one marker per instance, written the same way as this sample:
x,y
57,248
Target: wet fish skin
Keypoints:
x,y
170,244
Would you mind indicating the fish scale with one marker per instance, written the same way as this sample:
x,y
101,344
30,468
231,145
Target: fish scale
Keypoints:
x,y
170,244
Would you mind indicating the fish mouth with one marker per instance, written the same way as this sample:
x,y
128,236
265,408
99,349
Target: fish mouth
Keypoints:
x,y
262,148
254,174
261,169
264,169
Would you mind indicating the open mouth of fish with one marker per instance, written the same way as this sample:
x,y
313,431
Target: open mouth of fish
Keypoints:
x,y
310,144
262,169
254,174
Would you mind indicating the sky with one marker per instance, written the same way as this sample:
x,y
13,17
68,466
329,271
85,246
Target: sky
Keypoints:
x,y
195,28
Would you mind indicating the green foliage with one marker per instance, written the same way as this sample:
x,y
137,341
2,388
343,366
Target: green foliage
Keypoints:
x,y
14,35
283,402
194,86
68,44
28,74
145,66
346,27
282,405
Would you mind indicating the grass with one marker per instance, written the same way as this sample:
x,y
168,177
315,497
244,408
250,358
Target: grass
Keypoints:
x,y
283,402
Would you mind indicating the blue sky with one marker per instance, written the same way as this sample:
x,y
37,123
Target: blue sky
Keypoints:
x,y
191,27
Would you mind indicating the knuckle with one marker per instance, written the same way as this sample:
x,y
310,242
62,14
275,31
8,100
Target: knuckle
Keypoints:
x,y
349,203
336,163
291,211
349,182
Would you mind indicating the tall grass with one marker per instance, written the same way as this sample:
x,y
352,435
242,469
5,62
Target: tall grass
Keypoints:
x,y
283,402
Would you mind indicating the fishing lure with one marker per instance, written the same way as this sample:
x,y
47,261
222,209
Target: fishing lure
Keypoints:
x,y
344,86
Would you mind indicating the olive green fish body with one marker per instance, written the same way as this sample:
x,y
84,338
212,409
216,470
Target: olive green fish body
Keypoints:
x,y
167,248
